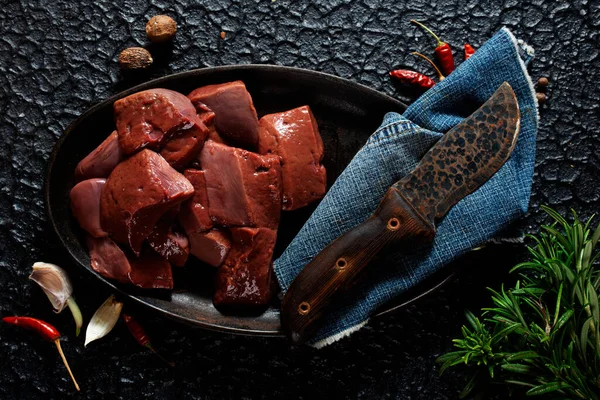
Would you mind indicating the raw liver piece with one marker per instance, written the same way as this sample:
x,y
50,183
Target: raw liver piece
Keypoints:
x,y
137,193
214,135
194,216
151,271
171,244
100,162
294,136
85,205
245,277
185,145
211,246
244,188
235,115
107,258
206,115
149,118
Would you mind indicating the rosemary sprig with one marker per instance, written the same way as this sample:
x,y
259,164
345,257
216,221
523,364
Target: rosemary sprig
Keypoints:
x,y
543,335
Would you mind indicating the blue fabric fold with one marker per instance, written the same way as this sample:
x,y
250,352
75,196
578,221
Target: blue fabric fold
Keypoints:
x,y
392,152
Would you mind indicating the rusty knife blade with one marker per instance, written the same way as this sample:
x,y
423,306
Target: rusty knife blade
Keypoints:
x,y
464,158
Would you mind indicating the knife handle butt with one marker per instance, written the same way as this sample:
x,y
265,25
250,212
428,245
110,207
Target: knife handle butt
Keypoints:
x,y
338,267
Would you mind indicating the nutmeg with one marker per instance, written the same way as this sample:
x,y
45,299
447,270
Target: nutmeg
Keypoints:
x,y
135,58
541,98
161,28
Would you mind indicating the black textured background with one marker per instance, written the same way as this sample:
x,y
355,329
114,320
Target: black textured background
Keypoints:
x,y
58,57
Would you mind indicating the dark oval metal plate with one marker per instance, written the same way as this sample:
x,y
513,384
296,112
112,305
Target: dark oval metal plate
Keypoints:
x,y
347,114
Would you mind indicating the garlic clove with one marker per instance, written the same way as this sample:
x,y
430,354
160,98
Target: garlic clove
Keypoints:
x,y
104,320
55,282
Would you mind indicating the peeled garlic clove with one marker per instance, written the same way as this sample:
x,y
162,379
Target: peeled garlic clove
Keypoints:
x,y
104,320
54,282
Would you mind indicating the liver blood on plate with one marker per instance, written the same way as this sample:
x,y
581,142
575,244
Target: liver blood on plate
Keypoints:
x,y
149,118
243,188
244,279
85,205
235,115
102,160
137,193
294,136
210,246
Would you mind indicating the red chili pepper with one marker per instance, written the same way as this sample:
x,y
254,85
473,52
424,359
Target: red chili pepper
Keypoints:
x,y
139,334
469,51
412,78
443,51
441,77
46,331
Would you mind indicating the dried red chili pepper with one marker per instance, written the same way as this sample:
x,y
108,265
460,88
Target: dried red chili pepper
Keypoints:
x,y
412,78
139,334
441,77
469,51
443,51
46,331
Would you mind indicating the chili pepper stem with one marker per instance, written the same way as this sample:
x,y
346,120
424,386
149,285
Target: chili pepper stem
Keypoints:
x,y
149,346
439,42
441,77
62,355
74,308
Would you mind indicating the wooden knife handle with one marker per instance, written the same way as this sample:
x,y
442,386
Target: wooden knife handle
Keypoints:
x,y
336,268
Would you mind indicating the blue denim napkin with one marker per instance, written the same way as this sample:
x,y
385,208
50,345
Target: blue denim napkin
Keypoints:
x,y
392,152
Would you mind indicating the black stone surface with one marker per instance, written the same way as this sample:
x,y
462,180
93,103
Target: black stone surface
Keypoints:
x,y
58,57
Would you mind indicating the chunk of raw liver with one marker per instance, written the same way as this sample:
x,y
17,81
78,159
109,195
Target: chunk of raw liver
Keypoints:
x,y
137,193
194,216
149,118
184,145
244,279
211,246
244,188
235,115
108,259
294,136
169,243
206,115
85,205
100,162
151,271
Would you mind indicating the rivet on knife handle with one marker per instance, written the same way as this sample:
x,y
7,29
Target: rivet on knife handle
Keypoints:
x,y
457,165
393,222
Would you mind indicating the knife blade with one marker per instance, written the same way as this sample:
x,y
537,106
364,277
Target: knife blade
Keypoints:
x,y
459,163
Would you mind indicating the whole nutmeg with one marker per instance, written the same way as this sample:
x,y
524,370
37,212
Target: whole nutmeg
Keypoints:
x,y
135,58
161,28
543,82
541,98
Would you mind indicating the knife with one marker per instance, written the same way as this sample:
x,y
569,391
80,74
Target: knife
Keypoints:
x,y
459,163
